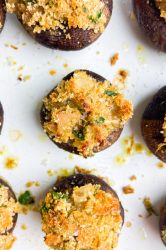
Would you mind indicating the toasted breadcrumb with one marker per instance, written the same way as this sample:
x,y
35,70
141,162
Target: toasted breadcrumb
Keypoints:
x,y
161,5
128,189
114,59
44,15
8,209
88,218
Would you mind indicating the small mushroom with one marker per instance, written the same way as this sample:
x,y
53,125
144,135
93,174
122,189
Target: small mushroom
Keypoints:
x,y
11,195
2,14
162,224
150,21
71,38
1,117
152,123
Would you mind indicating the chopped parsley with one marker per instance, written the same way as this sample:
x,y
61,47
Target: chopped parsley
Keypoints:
x,y
79,133
100,120
44,209
110,93
59,195
96,19
26,198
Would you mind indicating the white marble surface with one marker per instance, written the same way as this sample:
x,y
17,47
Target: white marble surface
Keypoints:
x,y
37,154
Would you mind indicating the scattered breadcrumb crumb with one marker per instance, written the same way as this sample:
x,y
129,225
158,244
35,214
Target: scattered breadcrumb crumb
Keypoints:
x,y
11,163
128,224
160,164
133,178
65,65
52,72
128,189
114,59
149,207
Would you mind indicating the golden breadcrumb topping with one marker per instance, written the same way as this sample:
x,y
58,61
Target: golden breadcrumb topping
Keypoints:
x,y
164,129
161,5
44,15
8,208
87,218
161,145
84,112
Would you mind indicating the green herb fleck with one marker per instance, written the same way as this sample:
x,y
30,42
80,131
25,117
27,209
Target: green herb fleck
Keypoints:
x,y
59,195
163,235
44,209
26,198
100,120
110,93
79,133
149,207
96,19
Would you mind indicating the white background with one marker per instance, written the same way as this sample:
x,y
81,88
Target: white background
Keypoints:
x,y
37,154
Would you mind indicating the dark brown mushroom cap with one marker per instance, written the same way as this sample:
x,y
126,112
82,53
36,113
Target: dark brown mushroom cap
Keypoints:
x,y
78,180
1,117
79,38
2,14
162,224
152,122
112,138
11,195
153,26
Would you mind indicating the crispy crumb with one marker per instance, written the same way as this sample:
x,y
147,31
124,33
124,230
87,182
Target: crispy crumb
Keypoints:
x,y
160,164
52,72
133,178
65,65
128,189
128,224
11,162
15,135
114,59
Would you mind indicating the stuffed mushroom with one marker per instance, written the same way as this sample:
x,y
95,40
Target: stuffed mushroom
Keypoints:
x,y
84,114
154,124
1,117
82,212
2,14
162,224
61,24
8,215
151,16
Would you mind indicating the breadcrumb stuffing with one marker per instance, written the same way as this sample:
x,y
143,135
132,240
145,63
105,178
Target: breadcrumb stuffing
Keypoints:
x,y
8,209
161,5
87,218
44,15
84,112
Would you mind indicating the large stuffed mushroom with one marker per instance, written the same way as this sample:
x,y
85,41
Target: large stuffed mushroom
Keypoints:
x,y
82,212
151,16
84,114
66,25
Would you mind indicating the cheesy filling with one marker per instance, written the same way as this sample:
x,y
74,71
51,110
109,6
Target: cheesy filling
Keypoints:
x,y
83,112
161,5
45,15
8,209
87,218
